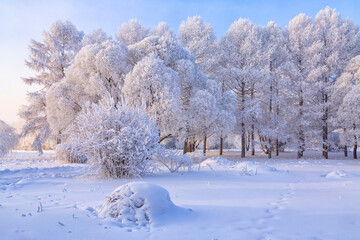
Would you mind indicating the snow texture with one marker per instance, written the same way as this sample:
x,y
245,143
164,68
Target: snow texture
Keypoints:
x,y
139,203
217,162
40,194
336,174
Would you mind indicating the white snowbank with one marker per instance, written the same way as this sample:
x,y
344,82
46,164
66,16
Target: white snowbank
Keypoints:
x,y
140,203
217,162
251,168
336,174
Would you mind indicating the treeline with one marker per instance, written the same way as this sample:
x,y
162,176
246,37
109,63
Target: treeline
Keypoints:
x,y
271,86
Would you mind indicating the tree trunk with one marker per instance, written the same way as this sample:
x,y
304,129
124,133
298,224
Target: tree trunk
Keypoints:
x,y
242,120
185,146
270,149
270,110
355,144
277,147
221,146
204,150
355,150
248,142
345,151
301,146
325,128
252,140
58,138
242,140
325,144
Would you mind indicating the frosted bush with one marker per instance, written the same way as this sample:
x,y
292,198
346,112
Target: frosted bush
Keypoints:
x,y
119,141
217,163
174,160
70,153
8,138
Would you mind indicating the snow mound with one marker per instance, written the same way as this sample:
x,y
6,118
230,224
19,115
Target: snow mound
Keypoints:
x,y
251,168
217,162
140,203
336,174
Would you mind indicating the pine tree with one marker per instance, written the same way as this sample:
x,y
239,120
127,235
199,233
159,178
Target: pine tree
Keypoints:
x,y
49,59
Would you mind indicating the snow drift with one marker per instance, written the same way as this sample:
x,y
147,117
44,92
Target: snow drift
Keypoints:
x,y
141,204
251,168
336,174
217,162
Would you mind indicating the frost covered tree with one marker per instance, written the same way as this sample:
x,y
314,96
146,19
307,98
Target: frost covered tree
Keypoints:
x,y
343,86
300,37
132,32
204,106
190,78
153,85
163,30
348,118
199,39
241,48
213,112
8,138
97,70
97,36
118,140
337,41
49,59
275,56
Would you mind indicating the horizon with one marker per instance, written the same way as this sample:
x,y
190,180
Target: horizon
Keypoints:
x,y
88,15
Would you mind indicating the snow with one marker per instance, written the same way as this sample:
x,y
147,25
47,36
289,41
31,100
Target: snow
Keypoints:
x,y
217,162
252,168
42,198
141,203
336,174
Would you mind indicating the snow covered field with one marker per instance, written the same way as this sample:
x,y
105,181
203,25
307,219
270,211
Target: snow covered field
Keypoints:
x,y
41,198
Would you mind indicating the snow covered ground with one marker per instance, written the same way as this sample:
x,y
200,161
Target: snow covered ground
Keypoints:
x,y
41,198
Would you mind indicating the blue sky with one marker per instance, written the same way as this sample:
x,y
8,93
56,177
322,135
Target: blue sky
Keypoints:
x,y
24,19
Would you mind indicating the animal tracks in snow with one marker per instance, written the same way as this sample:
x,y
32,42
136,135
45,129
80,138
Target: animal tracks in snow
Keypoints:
x,y
264,223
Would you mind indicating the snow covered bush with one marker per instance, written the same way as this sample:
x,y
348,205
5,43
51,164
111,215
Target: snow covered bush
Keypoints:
x,y
174,160
70,153
217,163
138,203
8,138
117,140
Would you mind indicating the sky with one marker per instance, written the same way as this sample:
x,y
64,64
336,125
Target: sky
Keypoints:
x,y
23,20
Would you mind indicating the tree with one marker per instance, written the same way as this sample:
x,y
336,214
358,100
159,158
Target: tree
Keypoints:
x,y
8,138
344,87
98,70
49,59
97,36
275,57
300,37
337,41
199,39
241,47
155,86
190,77
163,30
132,32
348,118
118,140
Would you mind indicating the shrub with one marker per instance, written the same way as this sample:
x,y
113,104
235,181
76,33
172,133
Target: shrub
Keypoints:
x,y
8,138
119,141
